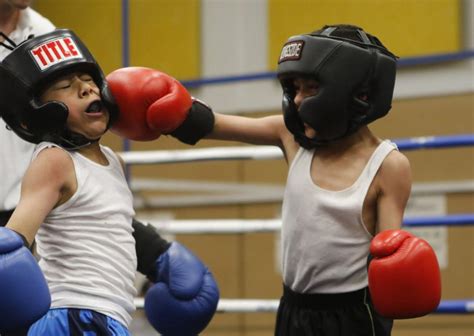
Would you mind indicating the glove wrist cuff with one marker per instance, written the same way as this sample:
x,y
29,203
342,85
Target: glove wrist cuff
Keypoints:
x,y
198,123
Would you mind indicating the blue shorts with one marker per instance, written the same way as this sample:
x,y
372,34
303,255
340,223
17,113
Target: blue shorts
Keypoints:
x,y
77,322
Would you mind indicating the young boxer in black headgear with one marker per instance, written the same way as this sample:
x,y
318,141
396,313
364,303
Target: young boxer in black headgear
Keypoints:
x,y
345,186
50,123
75,200
346,190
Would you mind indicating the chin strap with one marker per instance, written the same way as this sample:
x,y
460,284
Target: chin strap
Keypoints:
x,y
11,44
68,139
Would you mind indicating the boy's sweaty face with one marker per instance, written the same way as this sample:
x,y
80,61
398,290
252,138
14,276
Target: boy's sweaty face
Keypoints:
x,y
78,91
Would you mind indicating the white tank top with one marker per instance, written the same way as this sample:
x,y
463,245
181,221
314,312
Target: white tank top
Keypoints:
x,y
86,245
324,240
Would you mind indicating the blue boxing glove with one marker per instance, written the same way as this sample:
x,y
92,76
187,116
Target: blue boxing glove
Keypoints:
x,y
24,293
184,299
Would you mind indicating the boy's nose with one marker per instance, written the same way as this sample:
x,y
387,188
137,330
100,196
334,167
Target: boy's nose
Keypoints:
x,y
86,89
298,99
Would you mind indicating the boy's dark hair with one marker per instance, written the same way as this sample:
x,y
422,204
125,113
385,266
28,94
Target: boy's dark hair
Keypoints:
x,y
351,33
343,30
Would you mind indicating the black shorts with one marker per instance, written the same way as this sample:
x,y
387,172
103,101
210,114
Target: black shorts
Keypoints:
x,y
346,314
5,216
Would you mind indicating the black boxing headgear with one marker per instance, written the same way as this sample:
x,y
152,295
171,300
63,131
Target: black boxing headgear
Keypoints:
x,y
355,75
28,69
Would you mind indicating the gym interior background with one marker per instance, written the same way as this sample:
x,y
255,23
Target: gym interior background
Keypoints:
x,y
206,39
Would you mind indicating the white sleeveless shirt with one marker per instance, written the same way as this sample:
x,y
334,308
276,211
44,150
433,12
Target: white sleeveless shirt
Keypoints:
x,y
324,240
86,245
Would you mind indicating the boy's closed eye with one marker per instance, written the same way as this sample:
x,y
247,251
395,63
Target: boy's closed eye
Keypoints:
x,y
86,78
67,82
64,84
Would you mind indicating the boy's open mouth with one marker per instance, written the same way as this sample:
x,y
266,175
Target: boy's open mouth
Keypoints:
x,y
95,107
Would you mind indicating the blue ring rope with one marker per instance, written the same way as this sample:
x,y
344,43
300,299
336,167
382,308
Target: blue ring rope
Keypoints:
x,y
442,141
455,307
435,58
451,220
402,63
125,63
125,34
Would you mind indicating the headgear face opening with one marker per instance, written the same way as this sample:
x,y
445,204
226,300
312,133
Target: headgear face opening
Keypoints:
x,y
28,69
345,69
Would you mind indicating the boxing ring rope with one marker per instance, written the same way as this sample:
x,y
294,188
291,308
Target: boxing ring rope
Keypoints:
x,y
266,75
273,152
271,306
237,226
212,193
448,220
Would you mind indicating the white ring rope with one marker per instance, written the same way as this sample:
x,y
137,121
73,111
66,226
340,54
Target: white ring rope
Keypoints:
x,y
273,152
150,184
219,226
271,306
202,154
237,226
235,305
210,193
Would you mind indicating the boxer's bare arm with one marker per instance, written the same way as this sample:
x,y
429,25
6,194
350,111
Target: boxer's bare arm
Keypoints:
x,y
49,181
394,181
269,130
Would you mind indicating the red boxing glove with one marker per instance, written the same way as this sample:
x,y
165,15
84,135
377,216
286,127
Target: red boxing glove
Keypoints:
x,y
151,103
404,276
